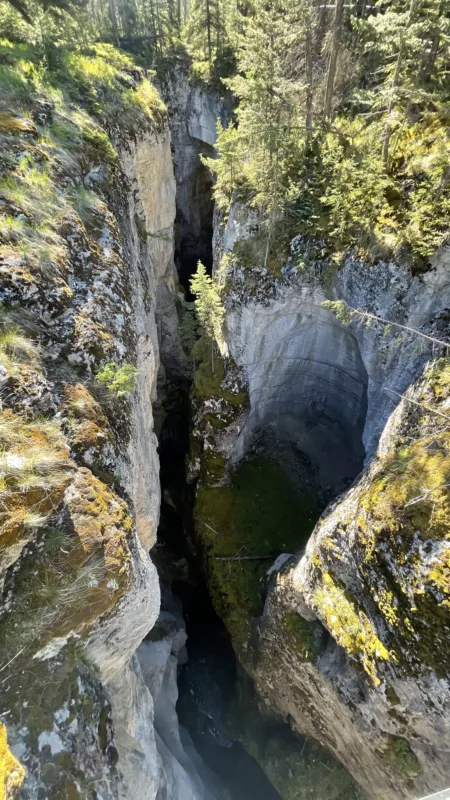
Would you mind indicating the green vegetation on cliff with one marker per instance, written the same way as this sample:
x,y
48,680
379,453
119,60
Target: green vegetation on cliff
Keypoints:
x,y
401,532
66,536
298,767
209,376
243,527
342,124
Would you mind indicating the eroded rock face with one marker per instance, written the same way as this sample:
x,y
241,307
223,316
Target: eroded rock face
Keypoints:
x,y
375,575
80,471
307,383
194,111
350,646
306,370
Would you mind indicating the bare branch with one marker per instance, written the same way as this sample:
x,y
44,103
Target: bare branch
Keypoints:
x,y
397,325
426,494
415,403
245,558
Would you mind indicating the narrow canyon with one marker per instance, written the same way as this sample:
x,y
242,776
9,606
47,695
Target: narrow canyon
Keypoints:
x,y
224,559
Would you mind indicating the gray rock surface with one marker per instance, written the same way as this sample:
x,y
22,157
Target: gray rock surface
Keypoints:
x,y
85,701
313,379
332,391
194,111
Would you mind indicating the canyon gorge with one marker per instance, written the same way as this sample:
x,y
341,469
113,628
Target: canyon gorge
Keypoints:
x,y
224,570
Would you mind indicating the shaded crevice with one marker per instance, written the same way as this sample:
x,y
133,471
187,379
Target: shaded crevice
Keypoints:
x,y
194,228
207,681
308,399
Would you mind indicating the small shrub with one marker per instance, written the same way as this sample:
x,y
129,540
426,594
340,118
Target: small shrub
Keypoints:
x,y
120,380
301,636
399,753
14,344
99,145
87,204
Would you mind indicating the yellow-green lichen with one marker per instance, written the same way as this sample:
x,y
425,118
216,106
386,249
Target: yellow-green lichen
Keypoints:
x,y
11,771
400,530
411,493
349,625
403,533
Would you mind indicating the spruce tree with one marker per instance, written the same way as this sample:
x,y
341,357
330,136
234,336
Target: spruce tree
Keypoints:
x,y
208,305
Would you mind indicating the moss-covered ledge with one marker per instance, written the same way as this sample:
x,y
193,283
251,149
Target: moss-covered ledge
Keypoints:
x,y
246,518
397,524
243,527
369,600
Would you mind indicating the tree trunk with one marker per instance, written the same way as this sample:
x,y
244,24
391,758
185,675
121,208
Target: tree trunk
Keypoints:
x,y
158,25
94,13
309,74
113,18
428,63
208,26
394,85
171,12
321,26
266,257
217,27
337,35
152,13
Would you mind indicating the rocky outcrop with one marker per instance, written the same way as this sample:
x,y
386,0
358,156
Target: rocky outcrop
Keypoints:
x,y
84,324
350,645
306,368
375,576
194,110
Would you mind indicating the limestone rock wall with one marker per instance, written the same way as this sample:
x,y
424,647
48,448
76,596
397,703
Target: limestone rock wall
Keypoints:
x,y
374,575
79,469
194,110
303,362
344,647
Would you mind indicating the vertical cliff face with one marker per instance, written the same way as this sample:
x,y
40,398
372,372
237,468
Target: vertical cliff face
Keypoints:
x,y
133,696
347,641
194,110
85,328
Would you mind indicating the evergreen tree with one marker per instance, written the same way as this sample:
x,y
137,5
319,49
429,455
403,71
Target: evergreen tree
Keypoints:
x,y
208,305
209,33
336,41
270,85
55,7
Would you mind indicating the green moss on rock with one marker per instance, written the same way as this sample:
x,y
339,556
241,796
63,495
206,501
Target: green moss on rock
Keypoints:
x,y
298,767
399,527
300,636
400,755
259,515
405,512
209,374
63,700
